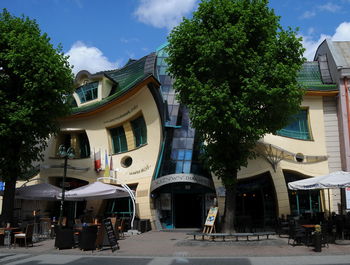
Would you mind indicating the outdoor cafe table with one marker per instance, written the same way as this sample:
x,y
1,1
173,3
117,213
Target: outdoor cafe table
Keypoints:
x,y
309,229
9,234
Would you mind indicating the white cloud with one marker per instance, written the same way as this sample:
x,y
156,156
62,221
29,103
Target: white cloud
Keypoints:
x,y
163,14
311,30
330,7
308,14
311,46
88,58
342,33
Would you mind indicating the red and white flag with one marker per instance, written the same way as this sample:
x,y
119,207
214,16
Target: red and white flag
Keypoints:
x,y
97,160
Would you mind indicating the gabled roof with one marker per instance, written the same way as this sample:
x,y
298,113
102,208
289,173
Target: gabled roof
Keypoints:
x,y
133,73
341,53
310,78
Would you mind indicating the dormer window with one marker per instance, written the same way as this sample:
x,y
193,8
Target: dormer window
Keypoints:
x,y
87,92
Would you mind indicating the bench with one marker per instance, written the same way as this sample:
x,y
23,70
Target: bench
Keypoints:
x,y
215,235
195,234
237,235
266,233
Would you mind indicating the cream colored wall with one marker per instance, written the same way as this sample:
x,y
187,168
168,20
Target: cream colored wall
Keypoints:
x,y
144,158
315,147
104,88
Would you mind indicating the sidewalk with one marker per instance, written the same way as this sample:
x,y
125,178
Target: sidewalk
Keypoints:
x,y
165,244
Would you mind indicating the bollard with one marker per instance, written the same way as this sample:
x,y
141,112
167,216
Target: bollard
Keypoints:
x,y
318,242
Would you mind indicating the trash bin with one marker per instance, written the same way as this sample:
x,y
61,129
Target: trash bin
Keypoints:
x,y
318,242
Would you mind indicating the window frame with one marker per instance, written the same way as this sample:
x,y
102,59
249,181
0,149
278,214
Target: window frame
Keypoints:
x,y
308,126
86,89
119,142
140,131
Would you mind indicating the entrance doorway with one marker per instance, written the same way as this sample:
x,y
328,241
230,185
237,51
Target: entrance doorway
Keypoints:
x,y
188,210
256,202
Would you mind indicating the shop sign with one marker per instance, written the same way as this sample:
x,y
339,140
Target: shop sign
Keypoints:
x,y
175,178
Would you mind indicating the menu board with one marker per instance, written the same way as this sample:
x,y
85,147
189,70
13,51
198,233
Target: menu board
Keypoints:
x,y
211,216
112,238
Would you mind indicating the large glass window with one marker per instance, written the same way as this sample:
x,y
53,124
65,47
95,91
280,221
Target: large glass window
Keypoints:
x,y
119,143
302,201
84,145
298,128
77,140
140,131
183,159
120,206
87,92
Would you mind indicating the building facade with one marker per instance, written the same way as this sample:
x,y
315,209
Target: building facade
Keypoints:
x,y
126,124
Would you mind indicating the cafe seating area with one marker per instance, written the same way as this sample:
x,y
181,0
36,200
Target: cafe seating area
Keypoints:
x,y
83,235
88,236
305,229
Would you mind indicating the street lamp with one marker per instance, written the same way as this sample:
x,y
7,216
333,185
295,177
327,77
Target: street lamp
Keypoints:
x,y
66,154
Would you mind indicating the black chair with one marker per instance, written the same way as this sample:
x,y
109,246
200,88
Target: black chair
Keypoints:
x,y
87,238
64,237
297,235
325,235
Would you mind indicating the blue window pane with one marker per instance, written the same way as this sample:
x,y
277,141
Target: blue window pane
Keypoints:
x,y
174,154
179,167
162,71
87,92
187,167
298,128
188,155
181,155
140,131
119,142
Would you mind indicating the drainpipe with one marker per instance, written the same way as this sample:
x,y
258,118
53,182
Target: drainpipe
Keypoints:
x,y
346,88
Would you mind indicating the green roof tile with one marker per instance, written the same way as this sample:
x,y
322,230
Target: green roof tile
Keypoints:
x,y
126,78
310,78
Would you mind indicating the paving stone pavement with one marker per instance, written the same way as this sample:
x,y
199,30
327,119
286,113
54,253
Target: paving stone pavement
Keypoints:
x,y
178,244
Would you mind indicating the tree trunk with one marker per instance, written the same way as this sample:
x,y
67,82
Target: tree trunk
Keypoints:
x,y
9,199
230,204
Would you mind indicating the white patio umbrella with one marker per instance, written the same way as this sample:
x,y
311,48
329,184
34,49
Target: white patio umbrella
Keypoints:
x,y
94,191
41,191
334,180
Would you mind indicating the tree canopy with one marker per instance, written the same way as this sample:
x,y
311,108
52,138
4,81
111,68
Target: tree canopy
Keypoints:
x,y
235,68
35,79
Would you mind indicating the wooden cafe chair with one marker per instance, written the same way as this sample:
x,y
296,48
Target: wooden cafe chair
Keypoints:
x,y
27,236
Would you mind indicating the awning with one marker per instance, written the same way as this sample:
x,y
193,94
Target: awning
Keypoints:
x,y
95,191
334,180
41,191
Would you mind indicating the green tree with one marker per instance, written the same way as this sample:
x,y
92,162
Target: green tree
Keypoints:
x,y
35,77
235,68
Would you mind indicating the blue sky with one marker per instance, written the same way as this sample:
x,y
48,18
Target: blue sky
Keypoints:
x,y
103,35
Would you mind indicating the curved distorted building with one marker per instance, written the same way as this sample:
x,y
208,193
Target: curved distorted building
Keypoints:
x,y
126,125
